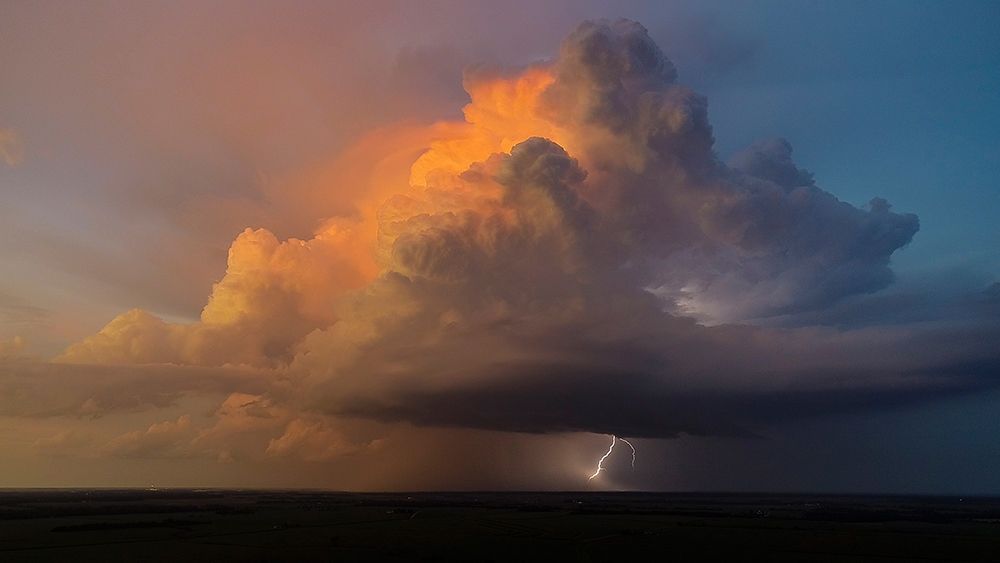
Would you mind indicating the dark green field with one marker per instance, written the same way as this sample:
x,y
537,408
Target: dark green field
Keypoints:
x,y
215,525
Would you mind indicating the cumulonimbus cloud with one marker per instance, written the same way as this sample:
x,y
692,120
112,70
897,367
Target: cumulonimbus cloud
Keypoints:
x,y
563,259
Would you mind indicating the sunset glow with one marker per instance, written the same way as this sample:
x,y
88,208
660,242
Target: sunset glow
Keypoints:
x,y
393,248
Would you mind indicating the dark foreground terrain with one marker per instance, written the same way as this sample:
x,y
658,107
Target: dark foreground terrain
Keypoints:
x,y
219,525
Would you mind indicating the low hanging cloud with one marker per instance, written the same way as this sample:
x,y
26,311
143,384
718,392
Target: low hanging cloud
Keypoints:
x,y
158,439
33,389
243,427
572,256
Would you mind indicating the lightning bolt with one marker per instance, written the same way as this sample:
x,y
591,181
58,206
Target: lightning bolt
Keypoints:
x,y
600,462
631,447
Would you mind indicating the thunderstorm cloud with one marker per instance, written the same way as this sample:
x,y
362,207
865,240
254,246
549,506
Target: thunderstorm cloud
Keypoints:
x,y
573,255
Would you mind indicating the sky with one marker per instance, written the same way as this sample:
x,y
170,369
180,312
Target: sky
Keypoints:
x,y
460,245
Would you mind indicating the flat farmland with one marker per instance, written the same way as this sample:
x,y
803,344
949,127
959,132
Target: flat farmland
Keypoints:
x,y
233,525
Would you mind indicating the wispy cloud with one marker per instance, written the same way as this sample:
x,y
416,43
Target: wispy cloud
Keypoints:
x,y
11,148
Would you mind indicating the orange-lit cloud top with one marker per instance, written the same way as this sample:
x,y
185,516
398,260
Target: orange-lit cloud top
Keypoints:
x,y
555,248
274,292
